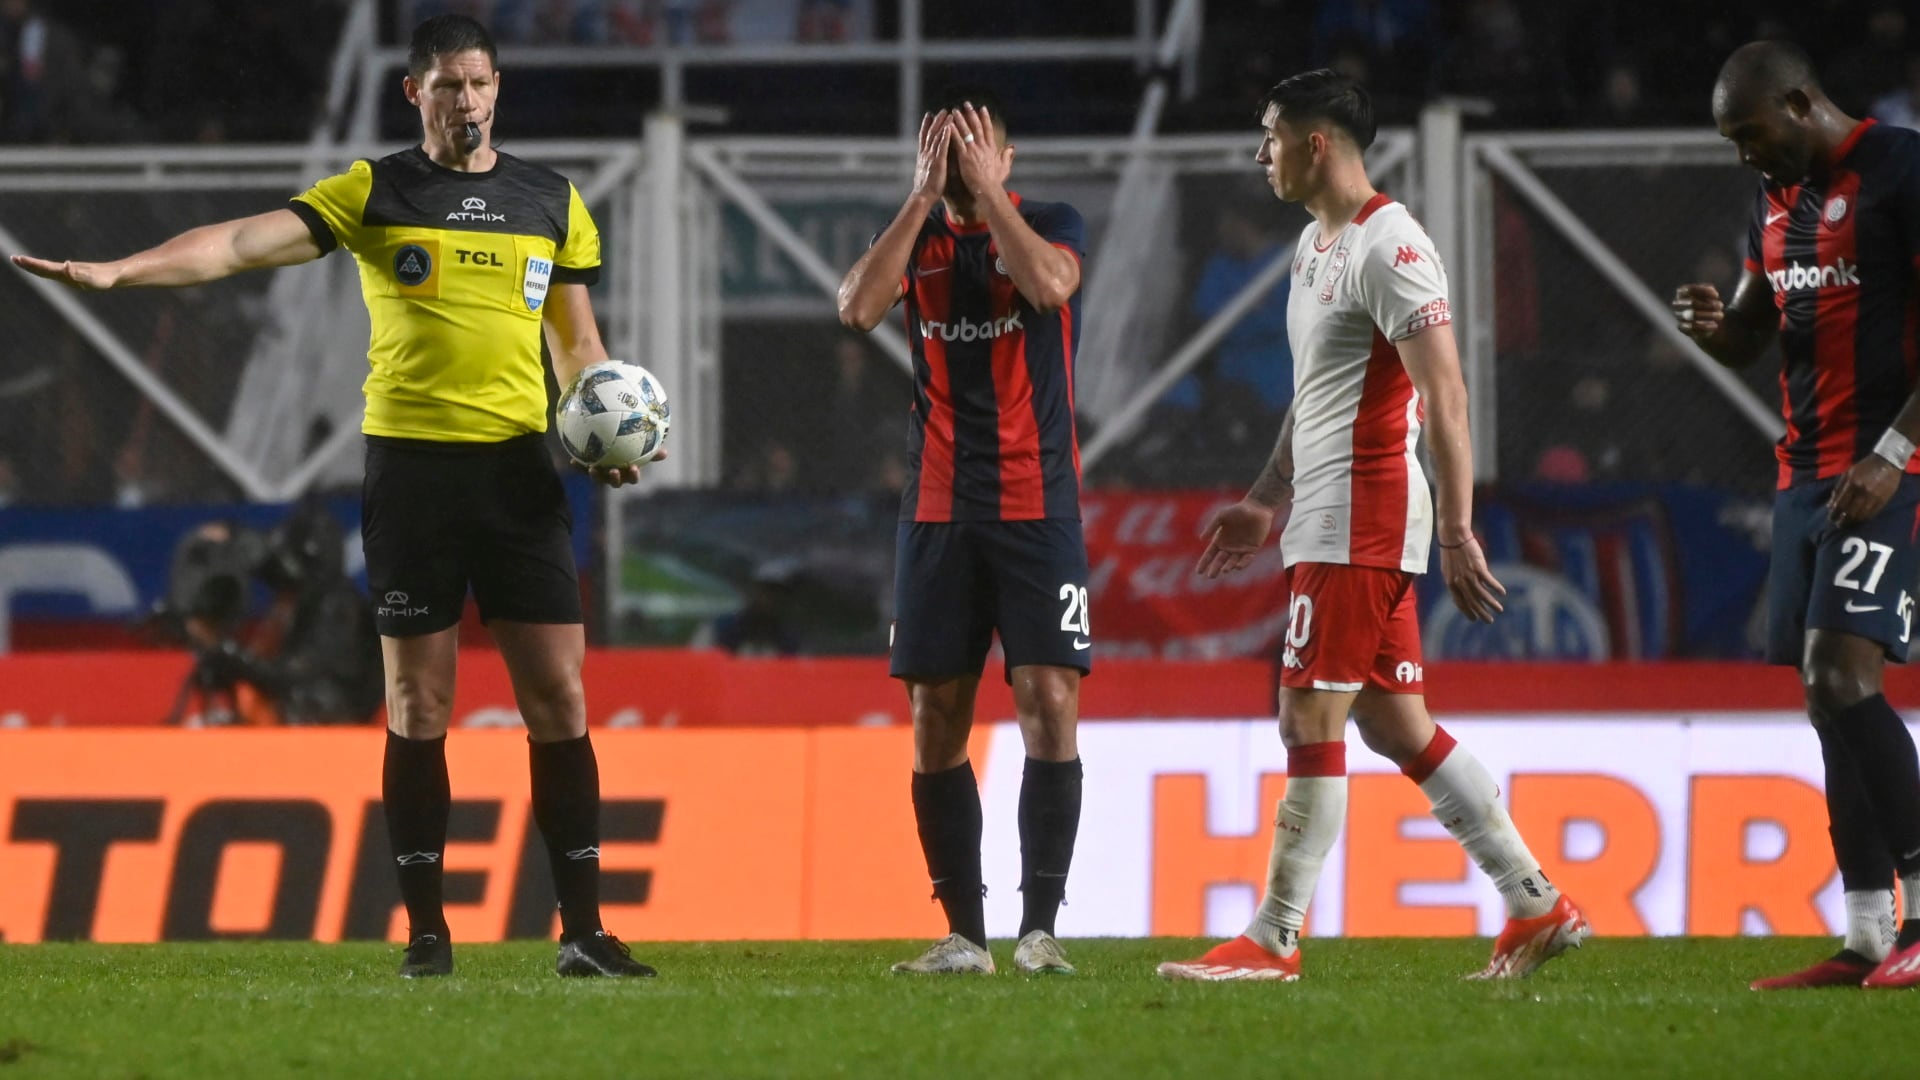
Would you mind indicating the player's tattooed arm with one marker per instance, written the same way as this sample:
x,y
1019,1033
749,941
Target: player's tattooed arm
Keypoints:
x,y
873,286
1236,533
1274,486
197,256
1735,334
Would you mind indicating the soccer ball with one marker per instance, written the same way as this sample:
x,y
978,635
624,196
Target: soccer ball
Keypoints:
x,y
614,415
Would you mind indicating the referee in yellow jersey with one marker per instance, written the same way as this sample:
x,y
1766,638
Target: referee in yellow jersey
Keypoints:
x,y
467,255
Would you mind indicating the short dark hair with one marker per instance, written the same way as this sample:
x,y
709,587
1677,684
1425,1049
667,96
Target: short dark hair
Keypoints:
x,y
1768,67
954,95
1327,95
445,35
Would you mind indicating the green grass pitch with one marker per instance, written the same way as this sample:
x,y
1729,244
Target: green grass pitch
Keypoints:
x,y
790,1009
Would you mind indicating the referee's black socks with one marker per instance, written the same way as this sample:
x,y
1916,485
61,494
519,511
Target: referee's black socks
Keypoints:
x,y
416,798
566,806
1049,820
946,807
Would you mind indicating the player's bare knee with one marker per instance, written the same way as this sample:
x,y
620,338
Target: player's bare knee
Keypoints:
x,y
557,711
417,708
1383,738
1832,688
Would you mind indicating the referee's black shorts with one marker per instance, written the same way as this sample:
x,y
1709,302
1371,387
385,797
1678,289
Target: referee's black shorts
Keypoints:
x,y
438,518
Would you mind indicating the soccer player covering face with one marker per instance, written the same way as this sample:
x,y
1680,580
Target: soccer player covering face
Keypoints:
x,y
989,536
1833,274
467,257
1374,357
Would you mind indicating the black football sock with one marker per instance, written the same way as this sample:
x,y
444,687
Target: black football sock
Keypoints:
x,y
1865,861
566,807
416,798
1049,820
946,807
1883,757
1909,935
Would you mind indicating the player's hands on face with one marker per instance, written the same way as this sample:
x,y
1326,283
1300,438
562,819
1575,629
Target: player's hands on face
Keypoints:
x,y
1699,310
930,167
984,163
1476,592
1863,491
1234,535
89,276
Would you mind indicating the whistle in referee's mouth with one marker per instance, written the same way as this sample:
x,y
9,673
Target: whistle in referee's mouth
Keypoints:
x,y
472,135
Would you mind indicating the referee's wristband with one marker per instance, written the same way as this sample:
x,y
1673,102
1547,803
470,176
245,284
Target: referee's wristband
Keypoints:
x,y
1895,448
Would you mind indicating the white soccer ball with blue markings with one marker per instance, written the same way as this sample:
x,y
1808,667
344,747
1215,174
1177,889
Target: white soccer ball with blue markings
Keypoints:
x,y
614,415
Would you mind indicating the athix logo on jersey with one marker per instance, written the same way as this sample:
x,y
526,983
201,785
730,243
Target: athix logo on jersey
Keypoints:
x,y
968,330
1431,313
473,208
1407,253
1841,273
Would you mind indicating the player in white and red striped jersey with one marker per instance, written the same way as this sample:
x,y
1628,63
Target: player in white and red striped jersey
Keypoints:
x,y
1373,350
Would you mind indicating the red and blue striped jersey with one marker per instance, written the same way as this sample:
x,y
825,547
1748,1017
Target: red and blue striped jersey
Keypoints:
x,y
991,436
1843,258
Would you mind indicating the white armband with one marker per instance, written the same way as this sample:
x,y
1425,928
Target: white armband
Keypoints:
x,y
1896,448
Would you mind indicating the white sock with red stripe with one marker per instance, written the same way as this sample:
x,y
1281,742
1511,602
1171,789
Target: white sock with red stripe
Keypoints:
x,y
1304,830
1467,802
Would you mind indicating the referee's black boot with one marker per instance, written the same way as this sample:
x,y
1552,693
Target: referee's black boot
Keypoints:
x,y
599,953
427,955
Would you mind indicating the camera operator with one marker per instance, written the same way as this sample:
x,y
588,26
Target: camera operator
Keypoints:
x,y
315,657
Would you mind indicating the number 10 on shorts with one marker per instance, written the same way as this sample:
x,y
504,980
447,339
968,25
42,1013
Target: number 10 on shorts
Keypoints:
x,y
1077,619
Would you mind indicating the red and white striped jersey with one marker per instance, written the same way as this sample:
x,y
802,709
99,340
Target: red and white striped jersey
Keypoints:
x,y
1360,497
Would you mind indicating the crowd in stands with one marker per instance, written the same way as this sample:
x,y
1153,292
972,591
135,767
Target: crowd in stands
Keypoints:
x,y
92,71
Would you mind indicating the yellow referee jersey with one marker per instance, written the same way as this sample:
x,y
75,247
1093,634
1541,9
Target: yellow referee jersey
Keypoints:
x,y
455,268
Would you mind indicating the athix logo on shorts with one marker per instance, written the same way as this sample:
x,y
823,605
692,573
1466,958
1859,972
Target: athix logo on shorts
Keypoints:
x,y
1409,672
968,330
473,208
396,605
1841,273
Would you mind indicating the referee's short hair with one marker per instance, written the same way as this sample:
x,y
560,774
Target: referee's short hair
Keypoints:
x,y
446,35
1326,95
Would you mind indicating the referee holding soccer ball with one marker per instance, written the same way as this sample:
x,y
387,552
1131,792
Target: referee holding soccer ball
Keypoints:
x,y
466,257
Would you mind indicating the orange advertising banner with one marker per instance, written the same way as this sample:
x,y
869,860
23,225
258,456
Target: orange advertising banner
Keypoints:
x,y
138,835
1656,823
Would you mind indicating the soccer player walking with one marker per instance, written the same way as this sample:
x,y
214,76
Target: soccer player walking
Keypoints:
x,y
467,257
989,536
1833,273
1374,356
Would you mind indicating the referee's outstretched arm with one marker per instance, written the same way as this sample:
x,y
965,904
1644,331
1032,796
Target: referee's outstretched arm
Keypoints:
x,y
197,256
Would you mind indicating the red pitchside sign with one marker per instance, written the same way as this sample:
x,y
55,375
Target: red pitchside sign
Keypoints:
x,y
1147,601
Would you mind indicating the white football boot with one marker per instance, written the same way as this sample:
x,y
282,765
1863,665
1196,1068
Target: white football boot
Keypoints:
x,y
1039,953
951,955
